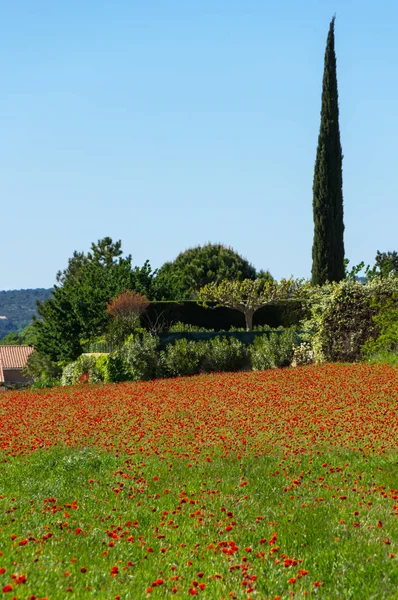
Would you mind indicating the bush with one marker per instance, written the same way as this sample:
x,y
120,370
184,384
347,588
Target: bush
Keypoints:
x,y
386,343
115,368
385,358
102,368
140,356
125,309
342,316
161,315
303,354
277,350
225,354
67,377
186,327
82,370
184,357
44,371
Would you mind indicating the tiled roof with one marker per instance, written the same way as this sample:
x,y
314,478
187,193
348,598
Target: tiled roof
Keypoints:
x,y
13,357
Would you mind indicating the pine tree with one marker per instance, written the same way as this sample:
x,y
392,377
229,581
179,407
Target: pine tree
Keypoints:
x,y
328,245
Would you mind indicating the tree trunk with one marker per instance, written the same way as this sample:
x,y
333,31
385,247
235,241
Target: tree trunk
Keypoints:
x,y
249,319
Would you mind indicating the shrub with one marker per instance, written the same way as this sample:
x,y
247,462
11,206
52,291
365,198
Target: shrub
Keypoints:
x,y
277,350
182,327
225,354
67,374
125,309
342,314
140,356
386,358
386,343
303,354
184,357
81,370
115,368
102,367
44,371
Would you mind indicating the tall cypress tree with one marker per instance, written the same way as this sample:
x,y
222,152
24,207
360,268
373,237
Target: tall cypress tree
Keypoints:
x,y
328,245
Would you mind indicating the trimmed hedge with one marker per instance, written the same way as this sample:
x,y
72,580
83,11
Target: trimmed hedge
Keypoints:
x,y
162,315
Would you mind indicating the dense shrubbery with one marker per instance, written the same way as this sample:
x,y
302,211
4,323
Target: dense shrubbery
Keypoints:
x,y
272,351
184,357
139,355
384,348
186,327
342,316
226,354
83,369
140,358
348,321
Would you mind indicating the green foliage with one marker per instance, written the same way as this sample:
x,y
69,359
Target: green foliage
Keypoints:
x,y
44,371
248,296
77,308
161,316
386,319
225,354
140,356
184,357
115,368
196,267
275,350
102,368
328,244
385,358
6,327
26,337
82,370
342,316
179,326
340,322
386,263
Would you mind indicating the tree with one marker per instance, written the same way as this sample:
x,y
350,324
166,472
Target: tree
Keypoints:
x,y
26,337
247,296
42,369
76,310
125,309
386,263
328,244
194,268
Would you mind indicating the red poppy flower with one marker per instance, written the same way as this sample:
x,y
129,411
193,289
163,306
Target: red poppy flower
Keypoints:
x,y
7,588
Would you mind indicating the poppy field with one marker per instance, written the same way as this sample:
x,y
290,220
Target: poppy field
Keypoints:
x,y
260,485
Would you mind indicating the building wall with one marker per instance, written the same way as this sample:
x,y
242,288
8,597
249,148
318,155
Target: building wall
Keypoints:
x,y
14,376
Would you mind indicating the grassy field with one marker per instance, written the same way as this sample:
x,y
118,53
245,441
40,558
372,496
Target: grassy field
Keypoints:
x,y
264,485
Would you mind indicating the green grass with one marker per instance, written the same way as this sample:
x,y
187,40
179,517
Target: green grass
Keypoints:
x,y
348,561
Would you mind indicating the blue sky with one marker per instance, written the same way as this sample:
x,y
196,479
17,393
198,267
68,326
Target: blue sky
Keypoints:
x,y
171,123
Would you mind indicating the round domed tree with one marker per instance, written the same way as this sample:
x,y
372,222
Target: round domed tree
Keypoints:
x,y
196,267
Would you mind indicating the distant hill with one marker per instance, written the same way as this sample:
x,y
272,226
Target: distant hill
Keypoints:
x,y
19,306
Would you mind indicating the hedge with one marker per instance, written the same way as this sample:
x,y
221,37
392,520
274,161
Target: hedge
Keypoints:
x,y
162,315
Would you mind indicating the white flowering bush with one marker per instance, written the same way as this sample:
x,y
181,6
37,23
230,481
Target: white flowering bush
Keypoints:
x,y
303,354
342,316
67,377
83,366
